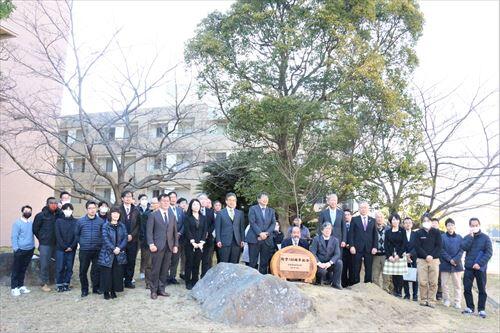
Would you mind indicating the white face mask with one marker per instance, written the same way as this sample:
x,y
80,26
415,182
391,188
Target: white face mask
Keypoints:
x,y
475,229
103,210
426,225
67,212
144,203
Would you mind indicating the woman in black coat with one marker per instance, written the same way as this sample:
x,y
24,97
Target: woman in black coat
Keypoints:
x,y
195,235
394,249
112,256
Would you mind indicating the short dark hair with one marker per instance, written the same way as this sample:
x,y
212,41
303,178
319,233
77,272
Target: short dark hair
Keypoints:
x,y
114,209
347,210
66,206
449,220
261,194
396,216
474,219
48,199
216,202
124,193
230,194
435,219
90,202
142,196
63,193
181,200
171,192
26,206
161,196
426,215
102,203
408,218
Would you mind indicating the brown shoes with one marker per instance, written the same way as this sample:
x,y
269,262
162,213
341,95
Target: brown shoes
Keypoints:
x,y
163,293
154,296
45,288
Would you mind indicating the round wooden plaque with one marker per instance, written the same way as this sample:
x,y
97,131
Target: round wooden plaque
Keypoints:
x,y
294,263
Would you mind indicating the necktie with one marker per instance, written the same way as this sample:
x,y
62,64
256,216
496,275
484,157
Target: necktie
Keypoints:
x,y
165,218
364,222
127,209
347,225
203,211
264,213
231,213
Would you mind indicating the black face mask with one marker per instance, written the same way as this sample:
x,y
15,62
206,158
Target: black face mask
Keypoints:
x,y
26,215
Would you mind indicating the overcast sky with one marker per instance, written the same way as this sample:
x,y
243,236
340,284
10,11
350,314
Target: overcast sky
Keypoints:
x,y
459,46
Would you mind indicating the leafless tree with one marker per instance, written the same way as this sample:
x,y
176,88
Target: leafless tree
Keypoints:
x,y
461,152
93,148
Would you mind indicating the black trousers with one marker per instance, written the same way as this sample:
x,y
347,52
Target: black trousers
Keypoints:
x,y
160,263
86,258
193,260
174,263
265,251
230,253
208,253
112,277
397,281
332,274
469,276
22,259
347,268
131,252
414,285
368,261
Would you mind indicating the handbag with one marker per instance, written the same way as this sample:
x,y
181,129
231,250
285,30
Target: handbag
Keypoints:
x,y
411,275
399,267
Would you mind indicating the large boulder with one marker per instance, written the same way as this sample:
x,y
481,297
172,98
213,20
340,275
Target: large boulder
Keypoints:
x,y
32,273
237,294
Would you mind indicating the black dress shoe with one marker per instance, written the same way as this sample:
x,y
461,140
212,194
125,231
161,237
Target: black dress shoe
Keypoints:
x,y
113,294
130,286
337,286
407,297
85,293
96,291
189,286
415,298
182,276
174,281
154,296
107,296
163,293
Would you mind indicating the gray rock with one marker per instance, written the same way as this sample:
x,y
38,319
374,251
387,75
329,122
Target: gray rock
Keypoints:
x,y
237,294
32,273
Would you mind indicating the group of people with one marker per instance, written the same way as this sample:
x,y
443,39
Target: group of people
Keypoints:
x,y
170,231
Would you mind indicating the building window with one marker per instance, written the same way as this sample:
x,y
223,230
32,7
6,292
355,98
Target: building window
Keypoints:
x,y
79,135
110,165
111,133
79,165
186,126
64,136
218,156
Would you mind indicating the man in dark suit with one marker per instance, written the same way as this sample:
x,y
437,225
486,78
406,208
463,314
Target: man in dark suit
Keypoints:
x,y
347,257
327,252
208,248
262,220
179,219
336,217
411,254
230,231
130,217
161,235
363,242
295,239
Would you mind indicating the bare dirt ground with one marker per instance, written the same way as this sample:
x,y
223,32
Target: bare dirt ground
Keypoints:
x,y
363,308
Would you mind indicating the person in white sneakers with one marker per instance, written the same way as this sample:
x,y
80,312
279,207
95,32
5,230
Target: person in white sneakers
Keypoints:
x,y
23,245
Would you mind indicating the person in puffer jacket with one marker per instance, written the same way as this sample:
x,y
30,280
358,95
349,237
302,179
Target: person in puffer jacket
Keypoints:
x,y
451,264
88,234
478,252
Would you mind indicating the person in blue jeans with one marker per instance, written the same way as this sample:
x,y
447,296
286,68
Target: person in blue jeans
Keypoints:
x,y
478,252
65,247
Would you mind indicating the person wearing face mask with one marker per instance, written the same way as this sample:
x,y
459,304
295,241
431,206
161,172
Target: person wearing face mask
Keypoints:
x,y
65,247
44,230
451,264
428,245
295,239
478,252
23,245
102,210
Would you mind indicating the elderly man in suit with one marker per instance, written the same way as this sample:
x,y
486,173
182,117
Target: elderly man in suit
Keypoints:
x,y
230,231
161,235
327,252
262,220
363,242
335,216
295,239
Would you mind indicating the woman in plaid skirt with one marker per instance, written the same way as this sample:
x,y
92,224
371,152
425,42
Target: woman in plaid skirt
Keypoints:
x,y
394,249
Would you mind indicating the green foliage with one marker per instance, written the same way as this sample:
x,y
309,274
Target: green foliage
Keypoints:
x,y
6,8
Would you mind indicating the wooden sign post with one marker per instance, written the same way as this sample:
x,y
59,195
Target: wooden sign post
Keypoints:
x,y
294,263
